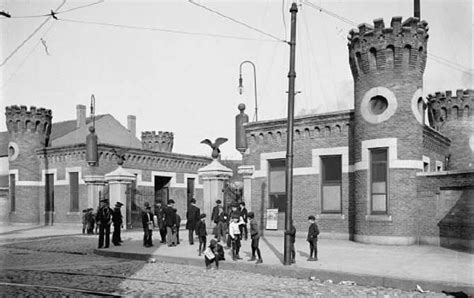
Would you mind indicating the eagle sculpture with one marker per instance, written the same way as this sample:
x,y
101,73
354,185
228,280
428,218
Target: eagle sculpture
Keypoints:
x,y
215,146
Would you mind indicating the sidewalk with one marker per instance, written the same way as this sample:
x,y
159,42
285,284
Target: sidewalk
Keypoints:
x,y
433,268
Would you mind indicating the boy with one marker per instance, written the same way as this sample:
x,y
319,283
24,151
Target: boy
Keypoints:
x,y
210,255
255,236
234,235
201,233
312,238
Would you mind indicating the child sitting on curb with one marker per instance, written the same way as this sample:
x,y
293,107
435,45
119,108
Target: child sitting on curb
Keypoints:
x,y
210,255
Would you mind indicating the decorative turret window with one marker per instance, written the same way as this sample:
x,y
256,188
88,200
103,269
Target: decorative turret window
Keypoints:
x,y
378,105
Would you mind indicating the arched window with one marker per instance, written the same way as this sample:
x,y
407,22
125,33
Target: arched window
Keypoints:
x,y
389,56
372,58
407,55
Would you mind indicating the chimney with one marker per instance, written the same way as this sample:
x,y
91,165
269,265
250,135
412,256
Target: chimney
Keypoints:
x,y
132,124
81,115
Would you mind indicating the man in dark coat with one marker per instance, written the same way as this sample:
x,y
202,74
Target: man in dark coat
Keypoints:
x,y
312,238
170,223
160,218
104,219
214,215
147,222
117,220
193,216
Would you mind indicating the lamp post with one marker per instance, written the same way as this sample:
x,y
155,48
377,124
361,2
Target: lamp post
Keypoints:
x,y
241,86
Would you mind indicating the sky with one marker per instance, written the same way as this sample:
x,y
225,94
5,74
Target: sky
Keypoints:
x,y
188,83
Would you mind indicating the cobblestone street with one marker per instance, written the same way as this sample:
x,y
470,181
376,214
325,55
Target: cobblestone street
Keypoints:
x,y
67,266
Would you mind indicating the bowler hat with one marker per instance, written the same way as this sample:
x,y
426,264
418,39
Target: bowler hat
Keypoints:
x,y
118,204
85,210
193,200
104,201
311,217
203,215
170,202
251,214
218,201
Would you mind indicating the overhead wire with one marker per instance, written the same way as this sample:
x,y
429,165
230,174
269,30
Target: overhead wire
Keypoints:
x,y
27,56
438,59
161,30
56,12
237,21
283,17
29,36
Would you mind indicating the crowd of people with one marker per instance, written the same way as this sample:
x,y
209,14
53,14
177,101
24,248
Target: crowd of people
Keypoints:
x,y
229,229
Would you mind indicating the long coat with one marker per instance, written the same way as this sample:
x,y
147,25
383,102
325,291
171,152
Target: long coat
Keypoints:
x,y
193,216
170,216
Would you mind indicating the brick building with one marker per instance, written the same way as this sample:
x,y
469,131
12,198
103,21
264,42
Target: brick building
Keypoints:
x,y
397,169
46,177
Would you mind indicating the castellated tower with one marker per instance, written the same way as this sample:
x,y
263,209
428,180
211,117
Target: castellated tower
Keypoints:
x,y
452,116
28,130
387,65
161,142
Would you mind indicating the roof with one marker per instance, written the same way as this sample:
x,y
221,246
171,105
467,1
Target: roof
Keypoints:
x,y
108,130
62,128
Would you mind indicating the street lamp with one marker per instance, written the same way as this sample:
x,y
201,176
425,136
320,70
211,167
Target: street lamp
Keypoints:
x,y
241,86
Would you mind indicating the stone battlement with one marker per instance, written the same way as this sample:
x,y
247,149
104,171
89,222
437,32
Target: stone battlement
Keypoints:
x,y
376,48
446,106
20,119
161,141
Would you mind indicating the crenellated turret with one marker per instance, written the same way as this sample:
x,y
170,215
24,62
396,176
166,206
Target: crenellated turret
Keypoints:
x,y
451,114
37,121
400,47
444,106
161,142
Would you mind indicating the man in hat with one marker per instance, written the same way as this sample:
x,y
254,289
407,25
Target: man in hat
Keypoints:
x,y
147,222
170,223
214,216
192,216
104,219
160,220
117,220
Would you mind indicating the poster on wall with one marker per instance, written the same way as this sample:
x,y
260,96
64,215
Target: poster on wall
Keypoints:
x,y
272,219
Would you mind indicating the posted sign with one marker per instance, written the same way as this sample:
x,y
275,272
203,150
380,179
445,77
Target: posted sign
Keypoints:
x,y
272,219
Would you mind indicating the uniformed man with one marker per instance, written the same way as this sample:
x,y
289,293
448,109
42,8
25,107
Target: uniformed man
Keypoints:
x,y
104,219
117,220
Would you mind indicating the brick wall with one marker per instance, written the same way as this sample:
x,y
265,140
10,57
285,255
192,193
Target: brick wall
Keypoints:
x,y
446,207
311,132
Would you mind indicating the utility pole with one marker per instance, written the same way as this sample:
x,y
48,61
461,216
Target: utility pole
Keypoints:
x,y
417,9
289,143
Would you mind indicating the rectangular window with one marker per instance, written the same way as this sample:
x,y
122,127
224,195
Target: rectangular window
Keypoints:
x,y
331,183
74,191
426,166
277,184
12,192
49,193
378,180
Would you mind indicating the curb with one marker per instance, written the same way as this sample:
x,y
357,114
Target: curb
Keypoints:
x,y
303,273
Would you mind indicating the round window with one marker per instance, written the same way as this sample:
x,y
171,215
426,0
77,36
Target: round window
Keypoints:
x,y
378,104
12,151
